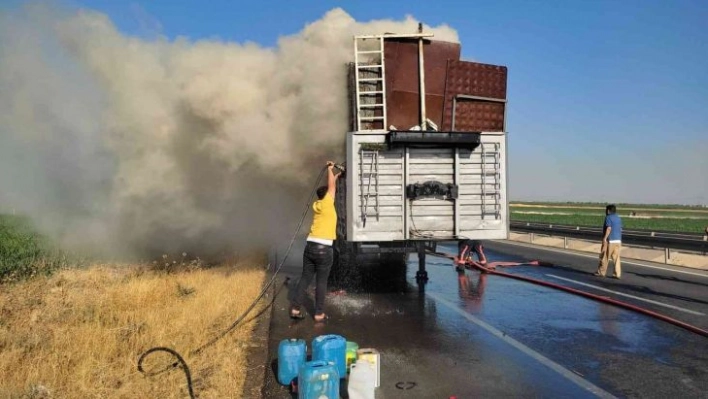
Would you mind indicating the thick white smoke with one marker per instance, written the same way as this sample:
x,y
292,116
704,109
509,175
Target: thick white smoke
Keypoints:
x,y
120,143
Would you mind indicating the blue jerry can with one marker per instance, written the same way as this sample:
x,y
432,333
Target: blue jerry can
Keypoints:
x,y
318,379
331,348
292,354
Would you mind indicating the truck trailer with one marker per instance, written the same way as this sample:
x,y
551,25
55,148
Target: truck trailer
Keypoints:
x,y
426,151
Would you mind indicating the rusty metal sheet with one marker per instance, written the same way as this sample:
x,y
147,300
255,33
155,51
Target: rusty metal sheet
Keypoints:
x,y
474,79
477,116
402,91
401,104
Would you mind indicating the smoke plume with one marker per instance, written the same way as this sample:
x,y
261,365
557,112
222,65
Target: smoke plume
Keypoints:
x,y
125,144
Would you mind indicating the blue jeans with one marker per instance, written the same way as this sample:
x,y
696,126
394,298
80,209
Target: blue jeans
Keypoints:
x,y
316,260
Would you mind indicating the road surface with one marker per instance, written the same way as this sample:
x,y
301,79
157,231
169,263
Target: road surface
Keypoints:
x,y
473,335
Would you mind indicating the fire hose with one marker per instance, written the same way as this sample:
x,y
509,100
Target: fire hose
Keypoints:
x,y
490,269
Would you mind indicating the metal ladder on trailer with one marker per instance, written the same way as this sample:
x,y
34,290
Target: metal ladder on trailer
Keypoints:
x,y
370,75
367,177
370,78
496,173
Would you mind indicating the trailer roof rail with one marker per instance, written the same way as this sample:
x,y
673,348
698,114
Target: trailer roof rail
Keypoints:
x,y
395,36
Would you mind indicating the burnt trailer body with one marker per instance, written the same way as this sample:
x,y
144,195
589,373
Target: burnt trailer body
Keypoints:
x,y
427,147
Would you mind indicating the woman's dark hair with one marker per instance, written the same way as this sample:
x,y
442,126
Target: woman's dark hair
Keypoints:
x,y
321,192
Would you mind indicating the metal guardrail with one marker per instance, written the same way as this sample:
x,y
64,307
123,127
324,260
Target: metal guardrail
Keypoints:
x,y
648,233
644,238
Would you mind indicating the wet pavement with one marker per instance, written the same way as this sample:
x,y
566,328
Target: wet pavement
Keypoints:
x,y
475,335
678,292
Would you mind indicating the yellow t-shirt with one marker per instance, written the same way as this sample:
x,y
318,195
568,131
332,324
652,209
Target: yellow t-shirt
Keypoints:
x,y
324,221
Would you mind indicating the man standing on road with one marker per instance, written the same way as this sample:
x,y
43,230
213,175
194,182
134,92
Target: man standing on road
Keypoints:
x,y
319,254
611,243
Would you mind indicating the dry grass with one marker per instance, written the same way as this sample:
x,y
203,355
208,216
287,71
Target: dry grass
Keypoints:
x,y
79,333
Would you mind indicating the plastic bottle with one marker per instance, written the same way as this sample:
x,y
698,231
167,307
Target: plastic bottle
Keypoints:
x,y
318,380
374,357
362,380
292,354
352,347
331,348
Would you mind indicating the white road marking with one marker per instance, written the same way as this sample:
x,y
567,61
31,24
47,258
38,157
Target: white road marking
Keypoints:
x,y
628,295
563,251
581,382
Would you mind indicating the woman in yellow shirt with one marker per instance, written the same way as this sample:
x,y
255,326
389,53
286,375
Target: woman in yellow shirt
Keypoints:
x,y
319,254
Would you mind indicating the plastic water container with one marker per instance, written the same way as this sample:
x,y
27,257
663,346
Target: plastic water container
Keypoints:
x,y
362,380
374,357
292,354
331,348
350,356
318,379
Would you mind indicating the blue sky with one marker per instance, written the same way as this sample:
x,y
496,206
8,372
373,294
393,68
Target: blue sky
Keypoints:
x,y
608,100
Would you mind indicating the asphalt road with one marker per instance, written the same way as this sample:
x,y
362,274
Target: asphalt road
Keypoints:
x,y
474,335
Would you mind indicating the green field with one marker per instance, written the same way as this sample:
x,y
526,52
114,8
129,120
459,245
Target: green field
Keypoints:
x,y
23,251
689,219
